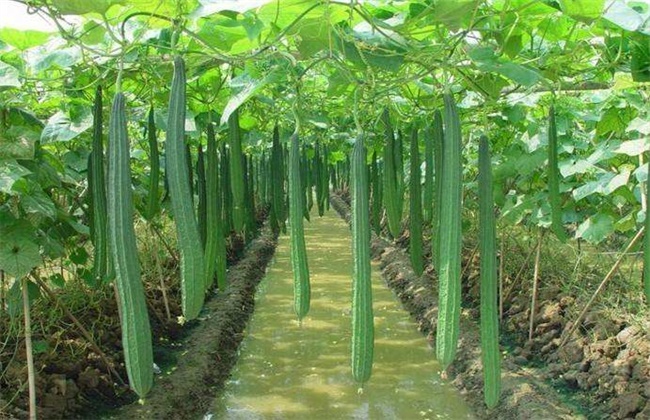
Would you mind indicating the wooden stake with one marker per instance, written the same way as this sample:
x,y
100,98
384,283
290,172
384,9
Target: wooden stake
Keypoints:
x,y
31,375
469,261
533,302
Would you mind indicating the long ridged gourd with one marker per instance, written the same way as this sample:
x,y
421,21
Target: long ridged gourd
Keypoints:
x,y
236,173
189,242
308,184
376,194
136,331
429,187
450,234
325,178
215,248
438,152
304,176
554,179
318,180
278,170
415,206
398,150
362,316
153,198
226,193
202,193
190,168
301,287
98,192
489,310
391,200
646,242
249,179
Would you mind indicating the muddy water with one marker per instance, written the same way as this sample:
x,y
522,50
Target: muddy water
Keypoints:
x,y
292,371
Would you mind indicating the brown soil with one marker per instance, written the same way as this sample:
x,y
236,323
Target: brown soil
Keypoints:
x,y
74,382
525,395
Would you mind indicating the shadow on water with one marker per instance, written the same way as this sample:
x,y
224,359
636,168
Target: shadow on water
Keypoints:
x,y
289,370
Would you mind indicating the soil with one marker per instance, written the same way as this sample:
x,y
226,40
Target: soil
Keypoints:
x,y
525,395
74,381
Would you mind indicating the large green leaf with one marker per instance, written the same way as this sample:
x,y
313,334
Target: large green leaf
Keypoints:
x,y
486,60
9,76
14,145
605,185
223,32
584,9
640,125
10,172
620,14
23,39
18,256
245,87
596,228
81,7
61,128
453,12
633,147
18,253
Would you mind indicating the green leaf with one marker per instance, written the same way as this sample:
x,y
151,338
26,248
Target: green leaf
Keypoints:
x,y
23,39
633,147
18,255
596,228
605,185
40,346
585,9
37,202
93,33
10,172
640,125
16,146
453,12
9,76
486,60
81,7
245,87
60,59
61,128
614,120
575,166
620,14
222,33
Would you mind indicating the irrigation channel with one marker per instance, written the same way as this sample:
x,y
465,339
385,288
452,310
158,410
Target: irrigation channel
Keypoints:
x,y
288,370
